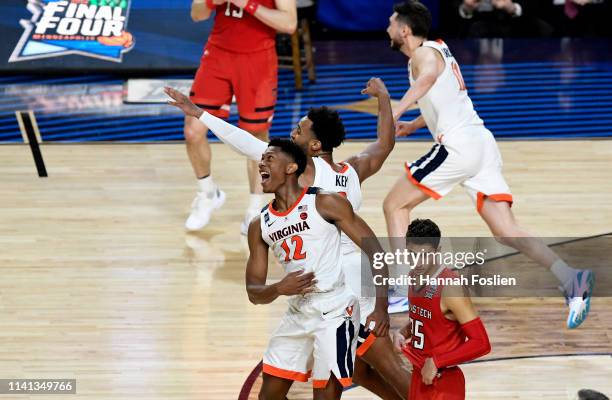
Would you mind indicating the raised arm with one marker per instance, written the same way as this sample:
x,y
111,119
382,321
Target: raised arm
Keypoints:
x,y
371,159
283,18
238,139
336,209
257,273
427,64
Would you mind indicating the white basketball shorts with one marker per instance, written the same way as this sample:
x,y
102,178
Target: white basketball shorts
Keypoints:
x,y
316,338
468,157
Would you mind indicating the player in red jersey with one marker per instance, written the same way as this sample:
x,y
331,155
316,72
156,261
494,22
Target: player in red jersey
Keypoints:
x,y
444,329
239,60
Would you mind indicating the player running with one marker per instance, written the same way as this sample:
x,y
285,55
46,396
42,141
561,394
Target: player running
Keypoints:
x,y
318,133
239,60
302,227
465,153
444,329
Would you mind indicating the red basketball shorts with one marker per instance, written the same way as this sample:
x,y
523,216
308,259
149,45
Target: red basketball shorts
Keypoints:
x,y
251,77
449,386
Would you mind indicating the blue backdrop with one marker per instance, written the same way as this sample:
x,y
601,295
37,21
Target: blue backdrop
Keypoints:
x,y
362,15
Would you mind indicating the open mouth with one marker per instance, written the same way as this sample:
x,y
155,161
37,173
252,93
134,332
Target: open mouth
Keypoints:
x,y
265,176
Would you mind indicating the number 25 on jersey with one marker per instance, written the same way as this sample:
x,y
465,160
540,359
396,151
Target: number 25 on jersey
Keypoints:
x,y
293,248
418,338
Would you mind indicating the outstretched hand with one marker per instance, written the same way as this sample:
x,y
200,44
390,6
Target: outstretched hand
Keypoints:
x,y
375,88
182,102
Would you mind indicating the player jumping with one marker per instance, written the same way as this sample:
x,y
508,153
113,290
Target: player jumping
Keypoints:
x,y
302,227
465,153
444,329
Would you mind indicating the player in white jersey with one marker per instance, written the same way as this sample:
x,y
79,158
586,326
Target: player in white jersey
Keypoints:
x,y
318,133
317,335
465,153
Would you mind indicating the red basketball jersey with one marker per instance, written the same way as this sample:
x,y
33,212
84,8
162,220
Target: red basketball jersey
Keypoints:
x,y
432,332
238,31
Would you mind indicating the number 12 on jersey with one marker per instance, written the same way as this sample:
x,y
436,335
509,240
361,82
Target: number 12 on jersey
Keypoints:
x,y
293,248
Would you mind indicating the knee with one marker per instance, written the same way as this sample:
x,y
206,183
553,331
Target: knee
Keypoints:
x,y
507,236
359,376
193,133
391,206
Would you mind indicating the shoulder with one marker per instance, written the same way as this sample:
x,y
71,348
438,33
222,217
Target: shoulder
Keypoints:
x,y
255,226
453,291
325,197
423,53
331,204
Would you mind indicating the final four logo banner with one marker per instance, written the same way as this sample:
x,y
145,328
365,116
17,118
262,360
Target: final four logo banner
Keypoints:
x,y
91,28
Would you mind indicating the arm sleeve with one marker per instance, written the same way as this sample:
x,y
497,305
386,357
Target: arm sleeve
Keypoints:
x,y
476,345
238,139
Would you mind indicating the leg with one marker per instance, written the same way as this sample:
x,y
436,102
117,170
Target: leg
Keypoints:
x,y
432,175
501,222
382,357
274,388
333,390
209,198
368,378
198,148
211,92
401,199
255,83
577,284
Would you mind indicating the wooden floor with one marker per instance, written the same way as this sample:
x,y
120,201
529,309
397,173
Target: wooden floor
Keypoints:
x,y
102,284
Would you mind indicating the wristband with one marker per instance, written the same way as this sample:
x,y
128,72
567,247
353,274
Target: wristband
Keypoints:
x,y
210,5
252,6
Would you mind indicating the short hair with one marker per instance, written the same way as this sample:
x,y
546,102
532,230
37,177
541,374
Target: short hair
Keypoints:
x,y
414,14
423,231
293,150
327,127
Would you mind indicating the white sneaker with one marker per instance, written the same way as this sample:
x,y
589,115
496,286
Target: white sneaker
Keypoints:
x,y
202,207
250,214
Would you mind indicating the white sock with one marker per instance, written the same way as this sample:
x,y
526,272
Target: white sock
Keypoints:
x,y
256,201
206,185
563,272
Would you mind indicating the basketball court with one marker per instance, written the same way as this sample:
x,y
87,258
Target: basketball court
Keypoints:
x,y
102,284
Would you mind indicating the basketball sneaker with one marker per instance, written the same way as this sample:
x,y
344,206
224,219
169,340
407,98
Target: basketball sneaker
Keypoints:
x,y
250,214
578,297
202,207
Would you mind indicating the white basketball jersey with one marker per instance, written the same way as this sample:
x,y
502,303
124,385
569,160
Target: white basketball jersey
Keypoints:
x,y
446,107
302,240
345,182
